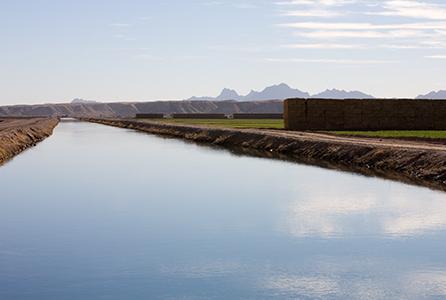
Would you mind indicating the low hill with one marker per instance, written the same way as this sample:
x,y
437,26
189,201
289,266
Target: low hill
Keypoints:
x,y
129,109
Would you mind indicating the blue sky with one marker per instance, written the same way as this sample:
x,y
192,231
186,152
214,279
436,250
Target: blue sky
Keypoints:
x,y
57,50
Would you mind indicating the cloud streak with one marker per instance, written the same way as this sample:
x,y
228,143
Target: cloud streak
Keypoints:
x,y
436,56
414,9
323,46
397,25
329,61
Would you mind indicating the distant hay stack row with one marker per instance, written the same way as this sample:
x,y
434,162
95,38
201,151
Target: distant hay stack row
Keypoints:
x,y
209,116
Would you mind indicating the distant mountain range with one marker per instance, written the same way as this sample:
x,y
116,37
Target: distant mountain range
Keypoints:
x,y
283,91
434,95
243,104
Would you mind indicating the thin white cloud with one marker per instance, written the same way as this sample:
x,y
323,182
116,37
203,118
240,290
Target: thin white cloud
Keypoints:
x,y
333,24
434,44
240,5
315,2
245,5
413,9
311,13
436,56
323,46
403,8
147,57
342,34
397,46
129,49
321,8
120,25
213,3
346,46
365,26
237,48
329,61
336,30
363,46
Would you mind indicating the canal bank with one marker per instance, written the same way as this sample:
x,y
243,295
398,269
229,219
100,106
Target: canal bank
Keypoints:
x,y
412,162
16,135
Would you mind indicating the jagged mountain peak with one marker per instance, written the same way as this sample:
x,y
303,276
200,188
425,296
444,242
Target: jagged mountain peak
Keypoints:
x,y
82,101
342,94
436,95
283,91
278,91
228,94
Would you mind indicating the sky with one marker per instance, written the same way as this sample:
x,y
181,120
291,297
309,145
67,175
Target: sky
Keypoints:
x,y
142,50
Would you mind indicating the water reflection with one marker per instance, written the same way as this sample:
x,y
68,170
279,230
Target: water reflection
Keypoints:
x,y
348,282
97,212
312,287
202,269
427,283
330,212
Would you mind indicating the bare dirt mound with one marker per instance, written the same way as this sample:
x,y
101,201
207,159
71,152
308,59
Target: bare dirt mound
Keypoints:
x,y
17,135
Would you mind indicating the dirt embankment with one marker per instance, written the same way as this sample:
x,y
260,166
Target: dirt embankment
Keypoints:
x,y
413,162
17,135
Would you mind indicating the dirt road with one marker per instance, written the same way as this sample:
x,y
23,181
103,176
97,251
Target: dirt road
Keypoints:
x,y
365,141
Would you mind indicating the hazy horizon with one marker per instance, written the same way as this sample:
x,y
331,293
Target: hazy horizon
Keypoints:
x,y
55,51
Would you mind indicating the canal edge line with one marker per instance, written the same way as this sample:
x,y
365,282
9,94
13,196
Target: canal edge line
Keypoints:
x,y
17,139
425,166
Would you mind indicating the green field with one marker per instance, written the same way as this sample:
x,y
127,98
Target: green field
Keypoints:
x,y
429,134
279,124
229,123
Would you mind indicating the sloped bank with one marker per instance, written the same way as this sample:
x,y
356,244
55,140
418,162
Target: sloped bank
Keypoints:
x,y
16,135
412,162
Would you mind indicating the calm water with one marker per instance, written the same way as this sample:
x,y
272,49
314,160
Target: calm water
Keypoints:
x,y
96,212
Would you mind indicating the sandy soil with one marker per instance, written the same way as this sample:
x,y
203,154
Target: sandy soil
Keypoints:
x,y
17,135
367,141
416,162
